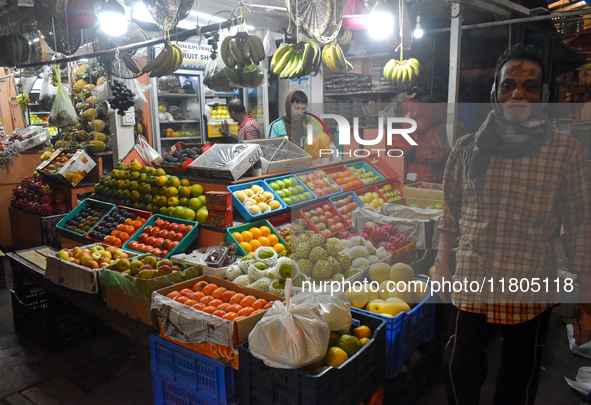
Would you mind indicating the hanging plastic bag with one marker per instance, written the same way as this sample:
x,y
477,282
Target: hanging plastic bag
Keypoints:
x,y
102,91
335,308
582,383
139,89
48,90
269,44
248,77
63,114
290,335
146,152
216,74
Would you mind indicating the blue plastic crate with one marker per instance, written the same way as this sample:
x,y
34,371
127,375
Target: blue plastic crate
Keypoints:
x,y
205,376
301,183
168,392
101,206
242,209
407,331
333,199
339,191
349,384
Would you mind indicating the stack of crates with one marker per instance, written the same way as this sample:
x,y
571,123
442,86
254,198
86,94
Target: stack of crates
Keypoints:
x,y
181,376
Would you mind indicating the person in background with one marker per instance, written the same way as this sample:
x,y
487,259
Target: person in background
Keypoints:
x,y
293,122
248,127
508,188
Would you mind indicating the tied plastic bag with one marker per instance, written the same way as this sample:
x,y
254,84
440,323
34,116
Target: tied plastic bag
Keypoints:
x,y
147,153
249,77
101,92
216,73
583,350
582,383
63,113
48,90
290,335
139,90
335,308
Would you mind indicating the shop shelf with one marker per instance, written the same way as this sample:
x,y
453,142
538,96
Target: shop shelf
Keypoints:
x,y
206,376
338,191
170,393
405,332
183,244
335,213
300,183
365,166
246,227
242,209
143,214
335,198
349,384
102,207
354,180
49,319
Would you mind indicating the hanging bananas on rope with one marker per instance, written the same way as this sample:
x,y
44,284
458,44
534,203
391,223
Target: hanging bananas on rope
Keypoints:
x,y
334,58
344,37
167,61
242,50
401,72
292,61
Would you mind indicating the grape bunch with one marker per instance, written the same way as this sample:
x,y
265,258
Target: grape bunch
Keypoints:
x,y
122,97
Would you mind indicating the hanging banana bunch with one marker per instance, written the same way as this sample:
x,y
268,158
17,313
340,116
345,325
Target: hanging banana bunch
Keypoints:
x,y
344,37
167,61
401,72
292,61
242,50
333,57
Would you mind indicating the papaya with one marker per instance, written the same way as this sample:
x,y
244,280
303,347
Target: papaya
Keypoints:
x,y
312,149
323,141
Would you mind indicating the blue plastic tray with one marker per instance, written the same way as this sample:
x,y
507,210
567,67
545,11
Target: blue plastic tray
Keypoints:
x,y
335,198
242,209
298,205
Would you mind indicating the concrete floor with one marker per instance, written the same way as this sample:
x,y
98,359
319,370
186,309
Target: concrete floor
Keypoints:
x,y
112,369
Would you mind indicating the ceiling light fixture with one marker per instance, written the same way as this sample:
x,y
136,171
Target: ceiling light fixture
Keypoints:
x,y
418,32
381,21
112,19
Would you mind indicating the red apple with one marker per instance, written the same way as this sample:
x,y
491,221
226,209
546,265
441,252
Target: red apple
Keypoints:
x,y
148,249
322,218
143,237
140,247
156,252
159,222
166,225
181,228
146,267
174,226
158,242
155,231
326,207
150,241
163,234
176,268
178,236
75,261
92,264
188,228
328,214
172,245
148,229
164,254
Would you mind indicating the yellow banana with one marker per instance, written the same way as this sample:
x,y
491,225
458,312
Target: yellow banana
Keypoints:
x,y
389,65
165,65
394,73
278,55
339,57
171,67
180,56
289,65
415,65
307,58
284,60
159,60
409,71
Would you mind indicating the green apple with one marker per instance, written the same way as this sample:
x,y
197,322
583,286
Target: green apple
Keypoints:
x,y
151,260
135,267
280,184
123,264
287,192
97,248
62,254
274,185
287,200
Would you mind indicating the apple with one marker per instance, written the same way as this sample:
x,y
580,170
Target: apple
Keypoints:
x,y
104,264
75,261
92,264
178,236
148,249
123,264
164,262
156,252
126,272
96,256
135,267
107,254
133,245
150,260
103,259
176,268
123,255
147,273
166,225
111,249
148,229
97,248
142,238
164,270
146,267
62,254
85,259
77,250
164,254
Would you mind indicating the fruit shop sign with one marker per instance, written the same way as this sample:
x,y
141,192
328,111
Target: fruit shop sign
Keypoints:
x,y
394,126
195,56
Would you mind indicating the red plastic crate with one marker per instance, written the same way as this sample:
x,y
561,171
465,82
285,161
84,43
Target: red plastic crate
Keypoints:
x,y
395,186
374,189
405,254
353,179
335,213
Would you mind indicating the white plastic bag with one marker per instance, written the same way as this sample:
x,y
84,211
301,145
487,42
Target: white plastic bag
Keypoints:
x,y
48,90
290,336
63,114
101,91
335,308
583,350
139,90
583,382
147,153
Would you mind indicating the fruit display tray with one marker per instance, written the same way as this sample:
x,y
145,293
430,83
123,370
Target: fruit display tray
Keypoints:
x,y
349,384
143,214
340,190
333,200
373,189
335,213
395,186
100,206
300,183
242,209
356,181
363,165
183,243
246,227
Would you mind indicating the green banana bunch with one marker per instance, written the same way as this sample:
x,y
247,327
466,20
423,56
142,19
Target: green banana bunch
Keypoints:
x,y
167,62
333,57
242,50
401,72
344,37
292,61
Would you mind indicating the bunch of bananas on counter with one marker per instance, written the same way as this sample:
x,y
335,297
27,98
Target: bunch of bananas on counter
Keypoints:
x,y
167,61
344,37
242,50
334,58
401,72
291,61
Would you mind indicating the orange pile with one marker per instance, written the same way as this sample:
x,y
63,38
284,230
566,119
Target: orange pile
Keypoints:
x,y
125,230
255,237
346,180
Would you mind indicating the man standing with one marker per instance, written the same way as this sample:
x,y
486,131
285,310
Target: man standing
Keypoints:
x,y
508,189
248,127
293,122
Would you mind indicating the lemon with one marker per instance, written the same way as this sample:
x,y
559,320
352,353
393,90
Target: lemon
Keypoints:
x,y
350,344
364,341
335,356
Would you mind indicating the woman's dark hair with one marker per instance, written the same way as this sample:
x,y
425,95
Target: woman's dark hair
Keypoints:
x,y
520,52
299,97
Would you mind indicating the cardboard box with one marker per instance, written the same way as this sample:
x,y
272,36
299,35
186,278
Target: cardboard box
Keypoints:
x,y
420,202
218,200
226,161
73,171
220,219
424,190
202,326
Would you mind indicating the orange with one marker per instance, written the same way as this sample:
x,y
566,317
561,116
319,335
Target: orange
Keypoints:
x,y
238,237
256,232
273,239
263,240
362,332
265,230
255,244
247,236
246,246
278,247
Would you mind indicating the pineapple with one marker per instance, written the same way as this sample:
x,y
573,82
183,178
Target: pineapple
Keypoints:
x,y
99,136
101,80
81,70
97,125
79,85
87,89
91,101
96,146
90,114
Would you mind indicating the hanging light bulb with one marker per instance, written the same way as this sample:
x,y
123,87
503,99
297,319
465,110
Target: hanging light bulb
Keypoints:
x,y
381,21
418,32
112,19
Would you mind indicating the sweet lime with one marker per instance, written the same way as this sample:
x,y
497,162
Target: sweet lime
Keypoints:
x,y
350,344
335,356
